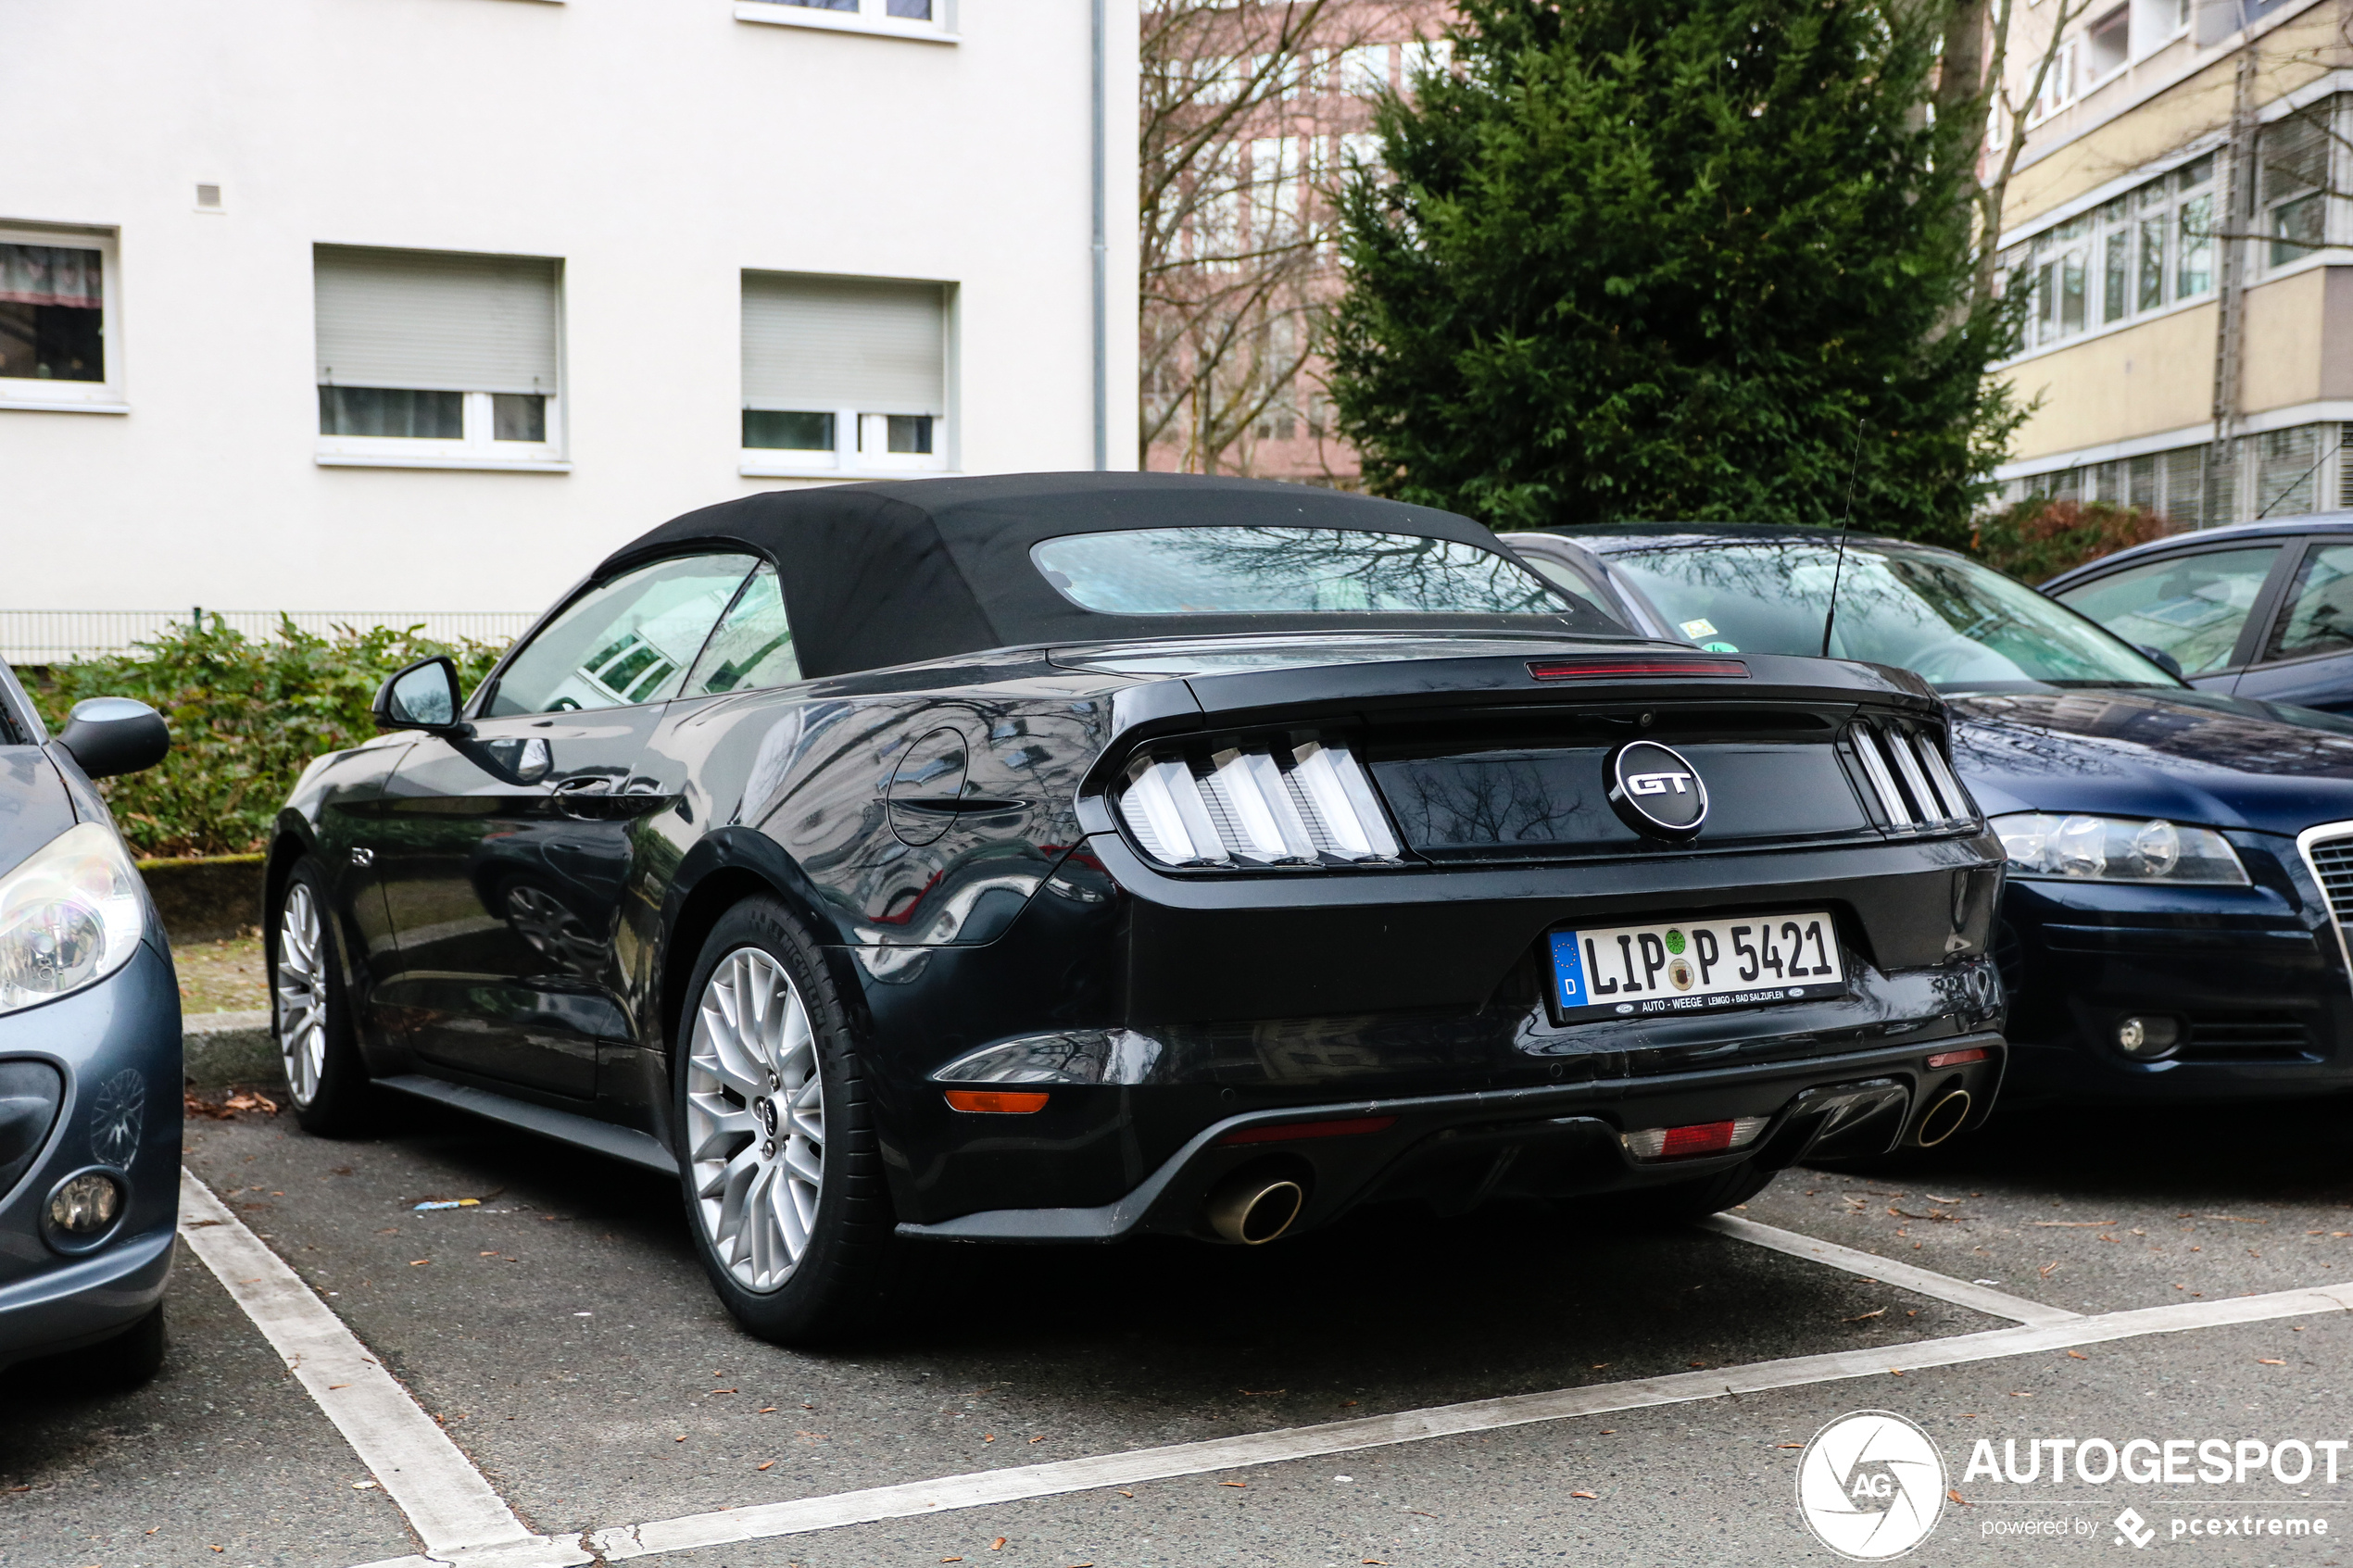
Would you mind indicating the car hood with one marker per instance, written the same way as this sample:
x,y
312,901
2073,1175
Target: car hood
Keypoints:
x,y
2185,756
34,807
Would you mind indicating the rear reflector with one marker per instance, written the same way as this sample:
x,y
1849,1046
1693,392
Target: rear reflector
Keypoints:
x,y
1701,1137
1284,1131
1957,1058
999,1101
1637,669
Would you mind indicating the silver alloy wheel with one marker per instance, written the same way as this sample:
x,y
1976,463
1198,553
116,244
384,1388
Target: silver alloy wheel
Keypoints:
x,y
301,987
755,1119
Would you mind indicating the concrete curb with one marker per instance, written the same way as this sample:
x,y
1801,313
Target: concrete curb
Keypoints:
x,y
220,1048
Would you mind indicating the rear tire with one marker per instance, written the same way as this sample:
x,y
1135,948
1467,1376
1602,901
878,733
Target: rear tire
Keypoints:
x,y
311,1012
777,1158
1683,1202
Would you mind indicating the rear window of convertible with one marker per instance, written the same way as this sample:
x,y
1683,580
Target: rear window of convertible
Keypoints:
x,y
1287,571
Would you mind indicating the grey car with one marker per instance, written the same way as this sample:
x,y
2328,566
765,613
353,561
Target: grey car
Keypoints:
x,y
89,1050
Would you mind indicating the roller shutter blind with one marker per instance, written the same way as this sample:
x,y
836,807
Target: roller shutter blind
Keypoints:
x,y
844,343
434,320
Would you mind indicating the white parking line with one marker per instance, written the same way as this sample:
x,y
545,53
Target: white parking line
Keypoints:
x,y
1307,1442
1919,1281
449,1505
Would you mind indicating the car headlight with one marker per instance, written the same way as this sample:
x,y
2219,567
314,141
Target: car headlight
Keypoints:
x,y
69,916
2084,849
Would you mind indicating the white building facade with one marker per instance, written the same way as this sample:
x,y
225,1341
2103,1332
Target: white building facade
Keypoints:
x,y
416,308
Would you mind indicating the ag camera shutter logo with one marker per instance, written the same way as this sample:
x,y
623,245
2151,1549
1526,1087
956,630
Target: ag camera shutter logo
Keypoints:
x,y
1870,1485
1655,790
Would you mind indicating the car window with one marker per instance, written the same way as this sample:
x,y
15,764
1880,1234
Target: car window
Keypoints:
x,y
753,645
1562,575
2191,607
1229,571
2319,607
1947,619
627,641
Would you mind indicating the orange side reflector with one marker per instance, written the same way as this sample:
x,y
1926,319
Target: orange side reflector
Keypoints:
x,y
1955,1058
1001,1101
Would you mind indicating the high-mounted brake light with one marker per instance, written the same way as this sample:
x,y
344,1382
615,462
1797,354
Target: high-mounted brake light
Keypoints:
x,y
1302,801
1702,1137
1602,668
1284,1131
1957,1058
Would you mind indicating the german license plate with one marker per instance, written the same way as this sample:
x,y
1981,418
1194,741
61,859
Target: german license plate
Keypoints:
x,y
1695,965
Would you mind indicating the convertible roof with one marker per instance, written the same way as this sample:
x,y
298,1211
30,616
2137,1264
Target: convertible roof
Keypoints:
x,y
897,572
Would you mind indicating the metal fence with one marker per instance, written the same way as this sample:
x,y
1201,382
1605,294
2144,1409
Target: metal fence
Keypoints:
x,y
59,637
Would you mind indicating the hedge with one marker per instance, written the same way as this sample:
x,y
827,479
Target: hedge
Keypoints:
x,y
246,717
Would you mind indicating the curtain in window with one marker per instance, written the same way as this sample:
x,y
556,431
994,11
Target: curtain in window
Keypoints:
x,y
50,275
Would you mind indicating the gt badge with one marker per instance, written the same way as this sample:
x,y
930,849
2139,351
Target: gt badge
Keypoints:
x,y
1655,791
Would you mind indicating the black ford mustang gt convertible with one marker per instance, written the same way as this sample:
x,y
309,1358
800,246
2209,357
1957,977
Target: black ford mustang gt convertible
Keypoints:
x,y
1060,857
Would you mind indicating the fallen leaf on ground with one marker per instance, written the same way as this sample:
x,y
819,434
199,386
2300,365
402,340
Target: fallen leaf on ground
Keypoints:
x,y
764,1466
1233,1483
419,1262
2016,1393
1789,1445
1584,1495
1860,1316
680,1438
765,1410
1955,1493
1123,1491
2079,1355
1893,1372
2266,1361
1038,1440
997,1545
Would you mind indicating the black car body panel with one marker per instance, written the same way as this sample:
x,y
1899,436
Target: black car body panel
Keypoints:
x,y
946,829
88,1080
2257,975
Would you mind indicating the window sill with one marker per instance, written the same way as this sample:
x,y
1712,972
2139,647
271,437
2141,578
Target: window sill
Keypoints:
x,y
495,465
61,406
776,14
782,470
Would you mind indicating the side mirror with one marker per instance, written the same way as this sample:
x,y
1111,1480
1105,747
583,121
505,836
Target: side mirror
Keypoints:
x,y
2163,660
423,696
110,736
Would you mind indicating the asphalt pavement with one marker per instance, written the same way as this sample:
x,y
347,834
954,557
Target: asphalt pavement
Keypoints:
x,y
560,1334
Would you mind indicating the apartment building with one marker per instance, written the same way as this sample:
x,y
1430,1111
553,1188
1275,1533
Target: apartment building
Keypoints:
x,y
2178,214
416,308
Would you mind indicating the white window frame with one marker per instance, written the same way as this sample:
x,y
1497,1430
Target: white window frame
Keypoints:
x,y
2124,57
76,396
862,439
475,448
870,18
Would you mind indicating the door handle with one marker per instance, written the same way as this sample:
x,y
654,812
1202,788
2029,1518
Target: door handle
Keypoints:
x,y
573,797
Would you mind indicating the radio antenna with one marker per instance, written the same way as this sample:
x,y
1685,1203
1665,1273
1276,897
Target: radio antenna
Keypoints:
x,y
1845,526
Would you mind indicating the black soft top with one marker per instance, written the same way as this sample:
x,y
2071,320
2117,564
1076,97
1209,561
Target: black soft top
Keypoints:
x,y
894,573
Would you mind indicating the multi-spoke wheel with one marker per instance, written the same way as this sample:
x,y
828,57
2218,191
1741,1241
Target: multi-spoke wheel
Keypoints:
x,y
300,986
755,1119
325,1076
775,1139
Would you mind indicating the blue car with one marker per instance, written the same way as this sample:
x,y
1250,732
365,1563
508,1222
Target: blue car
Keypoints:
x,y
2261,610
2181,860
89,1050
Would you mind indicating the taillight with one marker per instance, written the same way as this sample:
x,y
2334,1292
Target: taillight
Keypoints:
x,y
1303,800
1701,1137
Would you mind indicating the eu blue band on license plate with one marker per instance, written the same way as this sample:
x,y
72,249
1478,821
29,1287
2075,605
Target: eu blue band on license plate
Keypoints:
x,y
1695,966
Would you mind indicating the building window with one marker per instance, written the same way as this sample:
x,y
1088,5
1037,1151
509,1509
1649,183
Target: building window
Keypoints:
x,y
2108,44
57,310
2139,252
843,375
915,18
433,359
2293,181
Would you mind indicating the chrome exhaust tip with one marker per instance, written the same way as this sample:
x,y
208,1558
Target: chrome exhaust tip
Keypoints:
x,y
1943,1118
1250,1211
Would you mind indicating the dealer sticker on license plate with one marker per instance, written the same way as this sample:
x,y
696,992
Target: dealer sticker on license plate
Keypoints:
x,y
1695,965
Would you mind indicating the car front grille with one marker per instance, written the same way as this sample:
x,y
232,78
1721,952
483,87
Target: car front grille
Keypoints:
x,y
2328,855
1912,785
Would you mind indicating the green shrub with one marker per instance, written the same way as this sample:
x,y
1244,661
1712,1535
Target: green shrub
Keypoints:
x,y
2036,539
246,717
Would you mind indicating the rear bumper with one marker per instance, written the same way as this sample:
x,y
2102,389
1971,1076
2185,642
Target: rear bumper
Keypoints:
x,y
1453,1150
